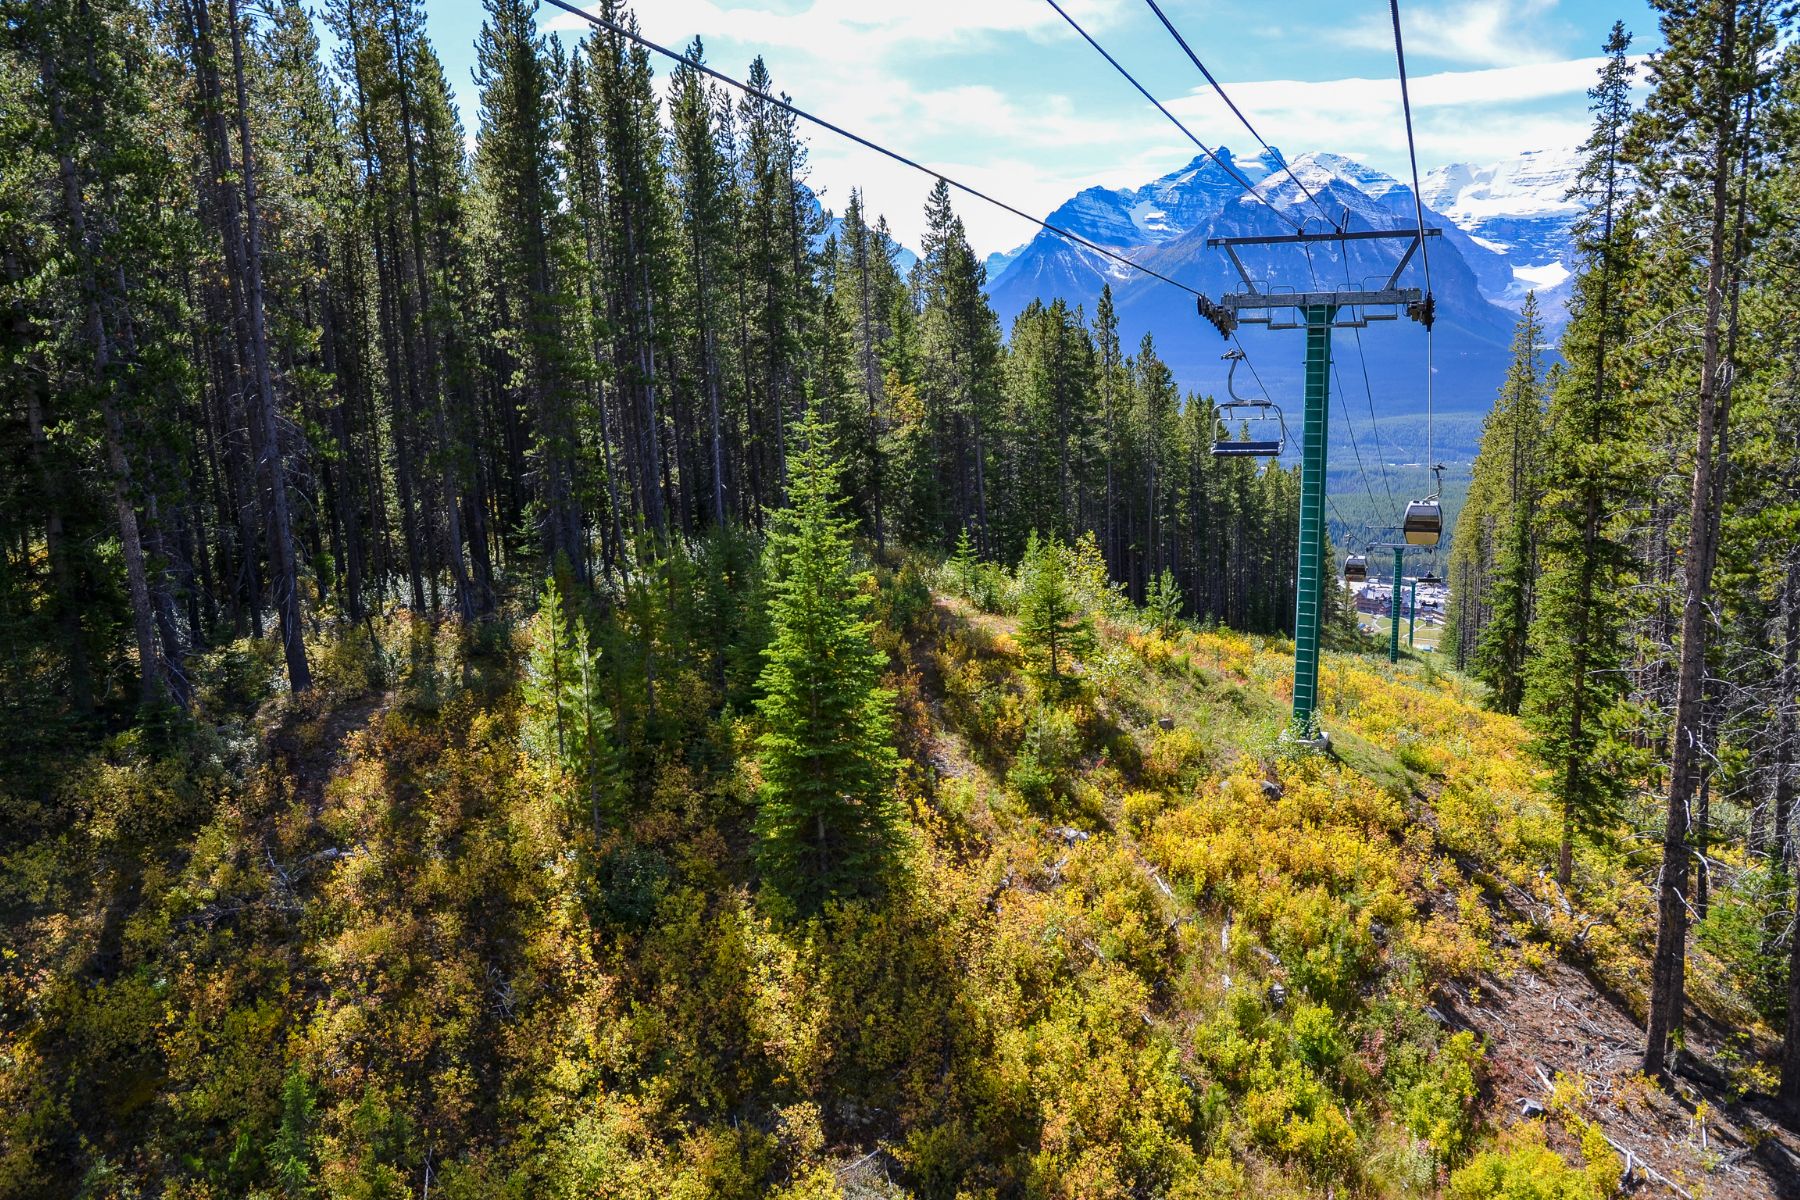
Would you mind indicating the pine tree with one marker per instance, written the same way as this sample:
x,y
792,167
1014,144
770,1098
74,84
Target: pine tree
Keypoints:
x,y
959,369
775,275
1110,367
867,289
515,160
635,208
1574,675
549,733
1053,630
1695,145
1511,435
826,822
1047,426
708,197
1162,603
1154,399
964,564
113,183
568,721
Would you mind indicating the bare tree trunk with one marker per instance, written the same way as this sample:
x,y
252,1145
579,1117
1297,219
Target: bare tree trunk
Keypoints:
x,y
1668,988
1789,1094
281,540
1779,817
1781,813
152,682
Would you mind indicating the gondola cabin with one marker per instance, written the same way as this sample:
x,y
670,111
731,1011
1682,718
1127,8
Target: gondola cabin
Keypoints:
x,y
1424,522
1356,569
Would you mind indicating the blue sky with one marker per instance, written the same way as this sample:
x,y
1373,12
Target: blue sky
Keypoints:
x,y
1002,94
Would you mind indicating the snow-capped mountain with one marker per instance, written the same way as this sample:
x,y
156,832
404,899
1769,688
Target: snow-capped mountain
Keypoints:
x,y
1165,224
1163,209
1521,209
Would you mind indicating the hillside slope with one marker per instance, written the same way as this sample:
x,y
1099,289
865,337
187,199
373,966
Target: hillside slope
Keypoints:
x,y
369,946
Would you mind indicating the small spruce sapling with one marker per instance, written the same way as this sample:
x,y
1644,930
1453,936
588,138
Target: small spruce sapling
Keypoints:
x,y
964,566
1162,603
1054,632
568,721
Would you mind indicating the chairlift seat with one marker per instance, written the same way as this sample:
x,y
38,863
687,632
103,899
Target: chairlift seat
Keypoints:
x,y
1258,448
1268,414
1424,522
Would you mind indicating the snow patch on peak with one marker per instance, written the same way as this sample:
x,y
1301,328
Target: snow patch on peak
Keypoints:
x,y
1521,209
1322,168
1220,168
1535,184
1542,279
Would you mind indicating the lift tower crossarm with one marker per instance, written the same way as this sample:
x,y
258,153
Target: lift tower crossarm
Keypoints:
x,y
1351,304
1348,235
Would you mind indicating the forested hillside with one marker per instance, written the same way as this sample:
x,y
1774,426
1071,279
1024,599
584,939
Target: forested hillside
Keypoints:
x,y
545,664
330,365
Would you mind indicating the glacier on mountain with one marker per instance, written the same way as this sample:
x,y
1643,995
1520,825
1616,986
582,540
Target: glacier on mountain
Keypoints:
x,y
1521,208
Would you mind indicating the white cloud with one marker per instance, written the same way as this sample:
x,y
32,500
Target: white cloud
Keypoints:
x,y
842,60
1475,31
827,26
1482,114
870,68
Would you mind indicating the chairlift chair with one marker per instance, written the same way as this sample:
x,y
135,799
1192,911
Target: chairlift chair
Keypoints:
x,y
1253,445
1267,415
1356,568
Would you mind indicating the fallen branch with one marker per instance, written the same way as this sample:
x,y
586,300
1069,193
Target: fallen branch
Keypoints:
x,y
1649,1172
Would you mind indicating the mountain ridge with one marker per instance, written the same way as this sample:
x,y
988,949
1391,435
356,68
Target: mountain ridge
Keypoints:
x,y
1505,228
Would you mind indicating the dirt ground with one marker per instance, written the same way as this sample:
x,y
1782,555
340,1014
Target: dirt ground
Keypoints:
x,y
1697,1140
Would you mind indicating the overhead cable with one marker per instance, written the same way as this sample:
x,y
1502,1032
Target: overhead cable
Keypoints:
x,y
1369,393
1412,152
1237,176
794,110
1344,408
1232,105
1425,255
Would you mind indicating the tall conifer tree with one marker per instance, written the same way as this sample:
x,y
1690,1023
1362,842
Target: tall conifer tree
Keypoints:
x,y
826,821
1509,445
1577,635
1696,145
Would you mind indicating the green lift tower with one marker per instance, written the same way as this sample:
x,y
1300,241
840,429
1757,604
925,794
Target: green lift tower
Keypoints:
x,y
1394,608
1318,313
